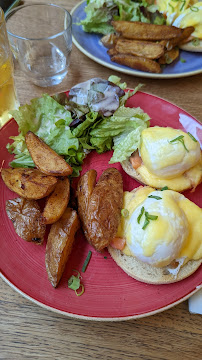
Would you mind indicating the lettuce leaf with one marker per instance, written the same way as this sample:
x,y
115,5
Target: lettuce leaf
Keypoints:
x,y
50,121
120,129
99,14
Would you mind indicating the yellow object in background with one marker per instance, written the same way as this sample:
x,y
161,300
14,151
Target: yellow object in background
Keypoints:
x,y
182,13
8,100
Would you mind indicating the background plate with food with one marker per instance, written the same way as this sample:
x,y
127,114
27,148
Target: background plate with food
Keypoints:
x,y
105,297
188,63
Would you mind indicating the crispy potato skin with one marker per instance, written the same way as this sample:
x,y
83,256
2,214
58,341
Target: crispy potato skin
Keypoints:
x,y
57,201
148,49
104,209
137,62
27,220
142,31
169,56
85,188
46,159
59,244
28,183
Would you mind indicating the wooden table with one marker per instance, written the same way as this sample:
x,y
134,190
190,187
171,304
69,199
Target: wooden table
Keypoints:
x,y
30,332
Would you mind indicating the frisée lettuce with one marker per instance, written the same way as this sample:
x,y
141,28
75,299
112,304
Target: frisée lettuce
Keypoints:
x,y
71,126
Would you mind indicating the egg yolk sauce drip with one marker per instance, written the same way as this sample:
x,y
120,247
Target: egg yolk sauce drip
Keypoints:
x,y
169,157
162,227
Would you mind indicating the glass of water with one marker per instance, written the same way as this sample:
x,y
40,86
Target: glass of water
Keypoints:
x,y
41,40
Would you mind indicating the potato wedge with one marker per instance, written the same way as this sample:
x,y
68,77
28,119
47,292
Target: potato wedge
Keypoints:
x,y
46,159
104,209
137,62
57,201
148,49
186,33
28,183
109,40
59,244
85,188
169,56
27,220
112,52
142,31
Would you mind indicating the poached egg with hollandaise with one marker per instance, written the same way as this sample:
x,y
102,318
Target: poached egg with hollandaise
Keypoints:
x,y
162,229
168,157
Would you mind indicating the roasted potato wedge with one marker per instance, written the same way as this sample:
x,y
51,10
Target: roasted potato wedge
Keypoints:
x,y
27,220
46,159
28,183
148,49
57,201
109,40
59,244
104,209
142,31
112,52
169,56
85,188
137,62
186,33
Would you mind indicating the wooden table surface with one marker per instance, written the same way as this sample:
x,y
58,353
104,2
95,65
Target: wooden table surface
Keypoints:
x,y
30,332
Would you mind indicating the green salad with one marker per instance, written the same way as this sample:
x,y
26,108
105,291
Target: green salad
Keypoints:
x,y
92,117
100,13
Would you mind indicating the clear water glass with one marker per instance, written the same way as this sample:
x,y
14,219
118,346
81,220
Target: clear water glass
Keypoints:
x,y
41,40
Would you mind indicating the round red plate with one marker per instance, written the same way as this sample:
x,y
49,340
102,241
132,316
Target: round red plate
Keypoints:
x,y
110,294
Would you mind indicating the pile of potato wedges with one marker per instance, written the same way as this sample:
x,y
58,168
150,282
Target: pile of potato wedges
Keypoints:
x,y
144,46
50,181
99,205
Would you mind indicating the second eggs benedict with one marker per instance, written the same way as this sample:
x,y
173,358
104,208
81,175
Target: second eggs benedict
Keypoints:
x,y
166,157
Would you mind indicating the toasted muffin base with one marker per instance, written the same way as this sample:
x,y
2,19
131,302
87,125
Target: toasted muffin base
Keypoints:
x,y
190,47
150,274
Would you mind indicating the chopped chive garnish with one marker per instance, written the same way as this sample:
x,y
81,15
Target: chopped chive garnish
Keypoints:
x,y
155,197
74,282
192,137
124,213
195,42
177,138
164,188
146,222
86,261
105,257
148,217
171,7
82,290
182,60
183,4
141,213
194,8
181,140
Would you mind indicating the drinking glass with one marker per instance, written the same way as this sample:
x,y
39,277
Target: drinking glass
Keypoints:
x,y
8,99
41,40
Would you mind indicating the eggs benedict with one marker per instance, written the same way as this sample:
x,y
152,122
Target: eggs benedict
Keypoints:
x,y
166,157
183,14
161,236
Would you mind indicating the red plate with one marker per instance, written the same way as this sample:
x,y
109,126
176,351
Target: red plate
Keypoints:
x,y
110,294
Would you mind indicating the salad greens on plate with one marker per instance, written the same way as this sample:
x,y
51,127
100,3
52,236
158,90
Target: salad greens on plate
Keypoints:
x,y
99,14
93,116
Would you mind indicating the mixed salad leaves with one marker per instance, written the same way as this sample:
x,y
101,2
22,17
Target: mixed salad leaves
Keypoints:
x,y
100,13
92,117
